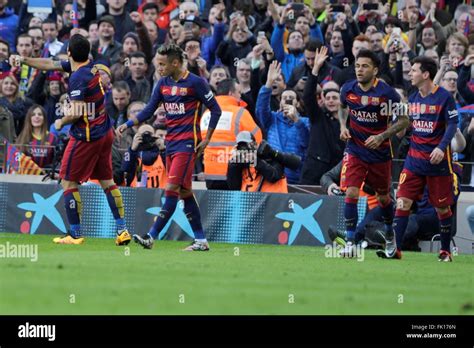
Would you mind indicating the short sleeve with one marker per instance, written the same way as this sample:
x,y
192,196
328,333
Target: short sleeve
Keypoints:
x,y
66,65
77,88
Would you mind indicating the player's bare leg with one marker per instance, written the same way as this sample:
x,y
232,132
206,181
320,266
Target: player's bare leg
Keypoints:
x,y
114,198
73,205
172,195
191,209
351,216
445,217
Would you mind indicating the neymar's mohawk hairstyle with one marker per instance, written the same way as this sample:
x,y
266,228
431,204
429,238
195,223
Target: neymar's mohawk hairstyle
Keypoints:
x,y
172,51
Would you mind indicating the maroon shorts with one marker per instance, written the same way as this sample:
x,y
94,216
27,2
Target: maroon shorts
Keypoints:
x,y
440,188
180,167
83,161
376,175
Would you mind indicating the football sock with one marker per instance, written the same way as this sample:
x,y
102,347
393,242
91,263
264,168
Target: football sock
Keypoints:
x,y
387,216
445,221
400,225
114,198
165,214
350,215
191,209
73,205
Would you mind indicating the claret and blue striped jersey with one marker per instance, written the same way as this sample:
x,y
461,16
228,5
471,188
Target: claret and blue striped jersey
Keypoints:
x,y
369,114
85,86
430,118
182,100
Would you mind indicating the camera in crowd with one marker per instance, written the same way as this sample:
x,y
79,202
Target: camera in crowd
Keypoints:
x,y
287,160
336,191
148,142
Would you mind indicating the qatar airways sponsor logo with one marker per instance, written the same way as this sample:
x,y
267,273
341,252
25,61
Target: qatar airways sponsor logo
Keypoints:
x,y
423,126
175,108
365,116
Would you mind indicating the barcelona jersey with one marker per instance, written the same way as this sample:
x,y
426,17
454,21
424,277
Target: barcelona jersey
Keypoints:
x,y
85,86
430,117
182,100
369,114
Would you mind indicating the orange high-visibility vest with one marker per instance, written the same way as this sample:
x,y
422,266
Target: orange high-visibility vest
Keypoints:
x,y
372,201
234,119
253,182
157,176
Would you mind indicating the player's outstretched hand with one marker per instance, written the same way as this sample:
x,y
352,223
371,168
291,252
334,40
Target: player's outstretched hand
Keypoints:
x,y
345,134
373,141
201,147
436,156
119,131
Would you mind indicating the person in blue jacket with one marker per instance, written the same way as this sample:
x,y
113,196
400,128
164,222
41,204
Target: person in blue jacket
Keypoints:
x,y
8,24
286,129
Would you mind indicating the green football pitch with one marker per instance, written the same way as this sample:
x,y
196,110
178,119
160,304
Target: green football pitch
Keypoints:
x,y
100,278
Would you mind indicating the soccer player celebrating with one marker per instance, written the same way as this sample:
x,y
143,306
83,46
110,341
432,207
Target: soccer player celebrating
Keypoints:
x,y
88,154
182,93
370,104
434,121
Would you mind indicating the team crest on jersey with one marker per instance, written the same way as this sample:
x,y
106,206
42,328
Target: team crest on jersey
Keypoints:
x,y
375,101
183,91
174,90
432,109
364,100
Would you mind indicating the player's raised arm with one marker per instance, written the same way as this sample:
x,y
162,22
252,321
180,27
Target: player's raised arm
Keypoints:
x,y
45,64
207,98
146,113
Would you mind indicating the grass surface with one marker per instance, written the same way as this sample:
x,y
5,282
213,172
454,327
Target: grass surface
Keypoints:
x,y
263,279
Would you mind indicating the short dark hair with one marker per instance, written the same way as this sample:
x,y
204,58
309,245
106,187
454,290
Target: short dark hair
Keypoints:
x,y
364,53
23,36
426,64
150,6
160,126
225,87
171,51
138,54
121,86
313,45
79,47
50,21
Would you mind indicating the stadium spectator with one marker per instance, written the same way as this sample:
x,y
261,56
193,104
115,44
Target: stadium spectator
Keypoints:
x,y
125,141
286,130
325,149
215,35
107,47
237,44
195,62
123,22
140,88
235,118
121,97
53,46
36,34
249,171
4,54
12,100
35,140
8,23
216,75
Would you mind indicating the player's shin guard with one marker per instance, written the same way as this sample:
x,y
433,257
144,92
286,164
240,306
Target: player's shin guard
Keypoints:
x,y
114,198
165,213
73,205
400,225
350,215
191,209
445,221
387,216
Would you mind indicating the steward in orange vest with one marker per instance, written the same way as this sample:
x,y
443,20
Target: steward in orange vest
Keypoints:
x,y
234,119
247,172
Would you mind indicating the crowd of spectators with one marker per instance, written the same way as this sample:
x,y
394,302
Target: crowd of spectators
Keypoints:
x,y
295,110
